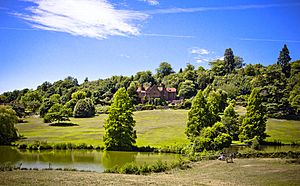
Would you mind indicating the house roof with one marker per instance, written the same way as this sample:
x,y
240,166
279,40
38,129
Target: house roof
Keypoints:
x,y
171,89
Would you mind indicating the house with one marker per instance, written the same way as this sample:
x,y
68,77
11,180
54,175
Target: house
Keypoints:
x,y
152,92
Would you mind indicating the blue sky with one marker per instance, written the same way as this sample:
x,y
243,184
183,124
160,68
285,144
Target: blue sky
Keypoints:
x,y
48,40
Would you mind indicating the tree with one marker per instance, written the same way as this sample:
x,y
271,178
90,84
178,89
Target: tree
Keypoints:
x,y
8,132
32,100
187,89
199,117
164,69
254,123
79,95
57,113
84,108
217,101
119,126
283,60
212,138
228,60
230,119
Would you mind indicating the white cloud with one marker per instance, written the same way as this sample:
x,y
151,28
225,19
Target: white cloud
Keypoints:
x,y
125,56
221,8
269,40
90,18
168,35
151,2
199,51
202,60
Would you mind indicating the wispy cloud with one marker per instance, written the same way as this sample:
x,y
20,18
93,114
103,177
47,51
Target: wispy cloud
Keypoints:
x,y
199,51
201,55
151,2
90,18
124,56
269,40
167,35
13,28
223,8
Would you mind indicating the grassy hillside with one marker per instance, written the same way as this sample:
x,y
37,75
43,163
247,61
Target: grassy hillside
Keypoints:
x,y
155,128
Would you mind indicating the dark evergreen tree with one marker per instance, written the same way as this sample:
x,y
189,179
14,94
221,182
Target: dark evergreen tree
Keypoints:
x,y
284,61
119,126
229,63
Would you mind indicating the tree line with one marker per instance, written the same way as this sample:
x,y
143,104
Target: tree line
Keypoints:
x,y
228,79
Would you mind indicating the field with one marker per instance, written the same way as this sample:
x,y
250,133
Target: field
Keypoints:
x,y
156,128
213,172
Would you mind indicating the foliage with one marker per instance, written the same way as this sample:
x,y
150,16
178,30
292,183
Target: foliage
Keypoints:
x,y
283,60
8,132
32,100
217,101
119,126
84,108
79,95
230,119
187,89
212,138
254,124
57,113
164,69
198,117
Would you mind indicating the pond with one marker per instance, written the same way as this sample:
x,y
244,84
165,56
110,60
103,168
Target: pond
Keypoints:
x,y
91,160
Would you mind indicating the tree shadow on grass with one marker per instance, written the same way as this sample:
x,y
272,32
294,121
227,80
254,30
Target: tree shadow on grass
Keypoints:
x,y
63,124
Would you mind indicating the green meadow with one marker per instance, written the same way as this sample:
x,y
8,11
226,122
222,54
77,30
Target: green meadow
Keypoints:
x,y
156,128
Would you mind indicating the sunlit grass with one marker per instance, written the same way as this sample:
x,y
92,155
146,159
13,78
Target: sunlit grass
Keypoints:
x,y
157,128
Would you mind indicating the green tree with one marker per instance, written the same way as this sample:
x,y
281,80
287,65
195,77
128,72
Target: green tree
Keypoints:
x,y
119,126
212,138
187,89
164,69
229,64
283,60
32,101
57,113
254,123
8,132
230,119
199,117
79,95
84,108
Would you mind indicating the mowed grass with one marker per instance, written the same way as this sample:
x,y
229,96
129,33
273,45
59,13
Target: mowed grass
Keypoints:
x,y
286,131
213,172
157,128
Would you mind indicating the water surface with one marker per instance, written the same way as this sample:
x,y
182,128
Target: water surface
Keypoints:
x,y
78,159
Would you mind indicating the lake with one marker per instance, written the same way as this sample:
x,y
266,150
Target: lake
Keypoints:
x,y
91,160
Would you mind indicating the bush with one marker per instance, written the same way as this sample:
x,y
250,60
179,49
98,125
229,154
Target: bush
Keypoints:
x,y
8,132
84,108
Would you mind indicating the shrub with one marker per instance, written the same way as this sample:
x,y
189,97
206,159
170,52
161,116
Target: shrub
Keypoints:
x,y
84,108
8,132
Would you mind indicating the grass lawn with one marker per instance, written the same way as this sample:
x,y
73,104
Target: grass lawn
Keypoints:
x,y
286,131
156,128
212,172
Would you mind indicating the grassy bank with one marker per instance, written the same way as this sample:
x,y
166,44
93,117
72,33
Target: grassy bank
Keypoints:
x,y
212,172
156,128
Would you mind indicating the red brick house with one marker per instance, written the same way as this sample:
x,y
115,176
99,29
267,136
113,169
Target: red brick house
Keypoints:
x,y
168,94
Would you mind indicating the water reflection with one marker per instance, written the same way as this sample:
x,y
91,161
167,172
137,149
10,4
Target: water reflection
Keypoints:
x,y
79,159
